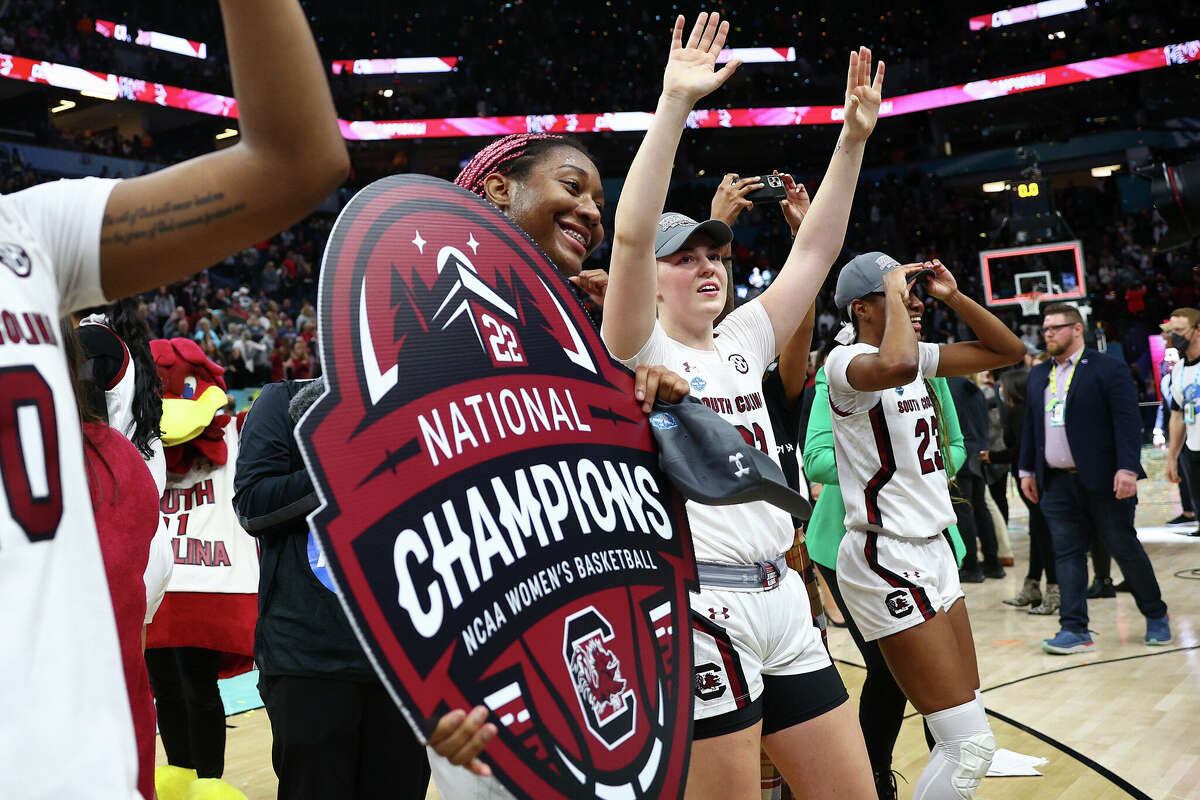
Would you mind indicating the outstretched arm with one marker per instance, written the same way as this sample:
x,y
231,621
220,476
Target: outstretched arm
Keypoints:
x,y
166,225
997,346
629,304
820,237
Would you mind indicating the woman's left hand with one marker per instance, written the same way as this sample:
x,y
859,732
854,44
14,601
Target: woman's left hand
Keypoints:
x,y
796,204
658,382
942,285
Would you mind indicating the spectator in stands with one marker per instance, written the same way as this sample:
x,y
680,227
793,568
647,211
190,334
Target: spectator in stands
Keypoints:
x,y
299,365
205,334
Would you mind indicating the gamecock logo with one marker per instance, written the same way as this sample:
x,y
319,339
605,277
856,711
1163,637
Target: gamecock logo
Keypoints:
x,y
603,697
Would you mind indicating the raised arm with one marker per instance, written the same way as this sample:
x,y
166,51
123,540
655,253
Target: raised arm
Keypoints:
x,y
820,237
169,224
997,345
629,303
897,362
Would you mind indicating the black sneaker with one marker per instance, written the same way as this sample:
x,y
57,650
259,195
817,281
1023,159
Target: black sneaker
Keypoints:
x,y
885,785
994,571
1100,589
1182,519
970,575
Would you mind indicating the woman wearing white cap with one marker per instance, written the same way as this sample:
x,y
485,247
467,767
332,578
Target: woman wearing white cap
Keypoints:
x,y
896,565
761,673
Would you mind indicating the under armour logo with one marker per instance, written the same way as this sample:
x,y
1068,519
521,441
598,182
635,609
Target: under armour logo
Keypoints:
x,y
740,470
714,612
687,367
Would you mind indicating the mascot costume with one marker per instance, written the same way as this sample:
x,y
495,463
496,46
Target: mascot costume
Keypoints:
x,y
205,627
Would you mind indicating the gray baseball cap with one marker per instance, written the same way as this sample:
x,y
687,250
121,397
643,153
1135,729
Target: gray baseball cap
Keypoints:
x,y
862,276
675,229
709,461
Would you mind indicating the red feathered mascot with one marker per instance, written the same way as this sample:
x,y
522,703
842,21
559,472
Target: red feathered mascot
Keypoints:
x,y
205,626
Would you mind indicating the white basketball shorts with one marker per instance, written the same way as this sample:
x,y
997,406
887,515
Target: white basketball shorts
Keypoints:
x,y
891,583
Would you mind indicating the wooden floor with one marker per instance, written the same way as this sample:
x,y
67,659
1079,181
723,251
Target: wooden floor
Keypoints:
x,y
1123,721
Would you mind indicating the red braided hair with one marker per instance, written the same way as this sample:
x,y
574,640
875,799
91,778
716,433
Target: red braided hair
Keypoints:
x,y
498,157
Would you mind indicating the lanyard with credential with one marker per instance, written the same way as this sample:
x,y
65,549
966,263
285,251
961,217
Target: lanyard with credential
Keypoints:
x,y
1057,406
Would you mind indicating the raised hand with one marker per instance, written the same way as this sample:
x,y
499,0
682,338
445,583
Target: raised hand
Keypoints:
x,y
862,95
691,69
796,204
730,198
942,285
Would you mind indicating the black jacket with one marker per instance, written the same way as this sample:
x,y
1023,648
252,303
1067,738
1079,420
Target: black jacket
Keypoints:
x,y
972,409
301,628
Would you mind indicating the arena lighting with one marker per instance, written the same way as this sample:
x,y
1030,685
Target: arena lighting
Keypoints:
x,y
757,55
426,64
63,105
395,66
995,186
227,133
113,86
1105,172
1011,16
154,39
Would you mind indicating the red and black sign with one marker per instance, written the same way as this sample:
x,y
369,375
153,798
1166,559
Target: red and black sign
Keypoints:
x,y
493,514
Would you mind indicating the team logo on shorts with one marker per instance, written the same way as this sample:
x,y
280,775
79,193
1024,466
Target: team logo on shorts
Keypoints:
x,y
15,258
898,604
739,363
710,683
608,705
699,383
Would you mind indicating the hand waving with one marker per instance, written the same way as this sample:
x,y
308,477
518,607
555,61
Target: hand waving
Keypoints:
x,y
862,96
691,69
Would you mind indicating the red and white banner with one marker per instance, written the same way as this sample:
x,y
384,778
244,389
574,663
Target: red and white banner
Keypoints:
x,y
1011,16
100,84
395,66
154,39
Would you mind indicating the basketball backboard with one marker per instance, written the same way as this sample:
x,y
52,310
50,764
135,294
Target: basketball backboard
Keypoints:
x,y
1041,273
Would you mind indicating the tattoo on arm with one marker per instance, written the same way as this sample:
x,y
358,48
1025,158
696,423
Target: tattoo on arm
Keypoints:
x,y
148,222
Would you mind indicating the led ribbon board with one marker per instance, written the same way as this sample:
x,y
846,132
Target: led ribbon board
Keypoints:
x,y
119,87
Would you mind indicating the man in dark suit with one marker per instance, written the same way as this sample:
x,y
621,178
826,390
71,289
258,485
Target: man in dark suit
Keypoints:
x,y
1080,455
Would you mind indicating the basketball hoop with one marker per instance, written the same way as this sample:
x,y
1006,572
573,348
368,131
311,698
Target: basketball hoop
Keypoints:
x,y
1029,302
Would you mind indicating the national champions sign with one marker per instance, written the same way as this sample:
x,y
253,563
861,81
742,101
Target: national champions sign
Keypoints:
x,y
493,513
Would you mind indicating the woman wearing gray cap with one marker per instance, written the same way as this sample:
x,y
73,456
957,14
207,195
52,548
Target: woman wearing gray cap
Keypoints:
x,y
896,565
761,673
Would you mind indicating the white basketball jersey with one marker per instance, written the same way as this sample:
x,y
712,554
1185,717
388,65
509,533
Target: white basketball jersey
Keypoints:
x,y
211,551
728,380
66,729
890,467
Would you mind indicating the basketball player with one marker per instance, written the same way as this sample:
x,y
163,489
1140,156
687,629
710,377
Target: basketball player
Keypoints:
x,y
895,565
548,186
762,674
72,244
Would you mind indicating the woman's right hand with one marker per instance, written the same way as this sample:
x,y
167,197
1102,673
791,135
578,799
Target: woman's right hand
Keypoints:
x,y
460,737
691,69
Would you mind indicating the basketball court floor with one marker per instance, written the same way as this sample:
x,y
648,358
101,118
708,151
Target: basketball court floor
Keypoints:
x,y
1121,722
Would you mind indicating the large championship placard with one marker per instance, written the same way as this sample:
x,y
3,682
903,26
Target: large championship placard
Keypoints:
x,y
494,516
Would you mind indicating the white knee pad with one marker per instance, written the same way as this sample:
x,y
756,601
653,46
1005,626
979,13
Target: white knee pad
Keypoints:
x,y
974,757
960,759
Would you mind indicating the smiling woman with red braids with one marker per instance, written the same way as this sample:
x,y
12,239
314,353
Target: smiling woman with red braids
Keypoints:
x,y
549,186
